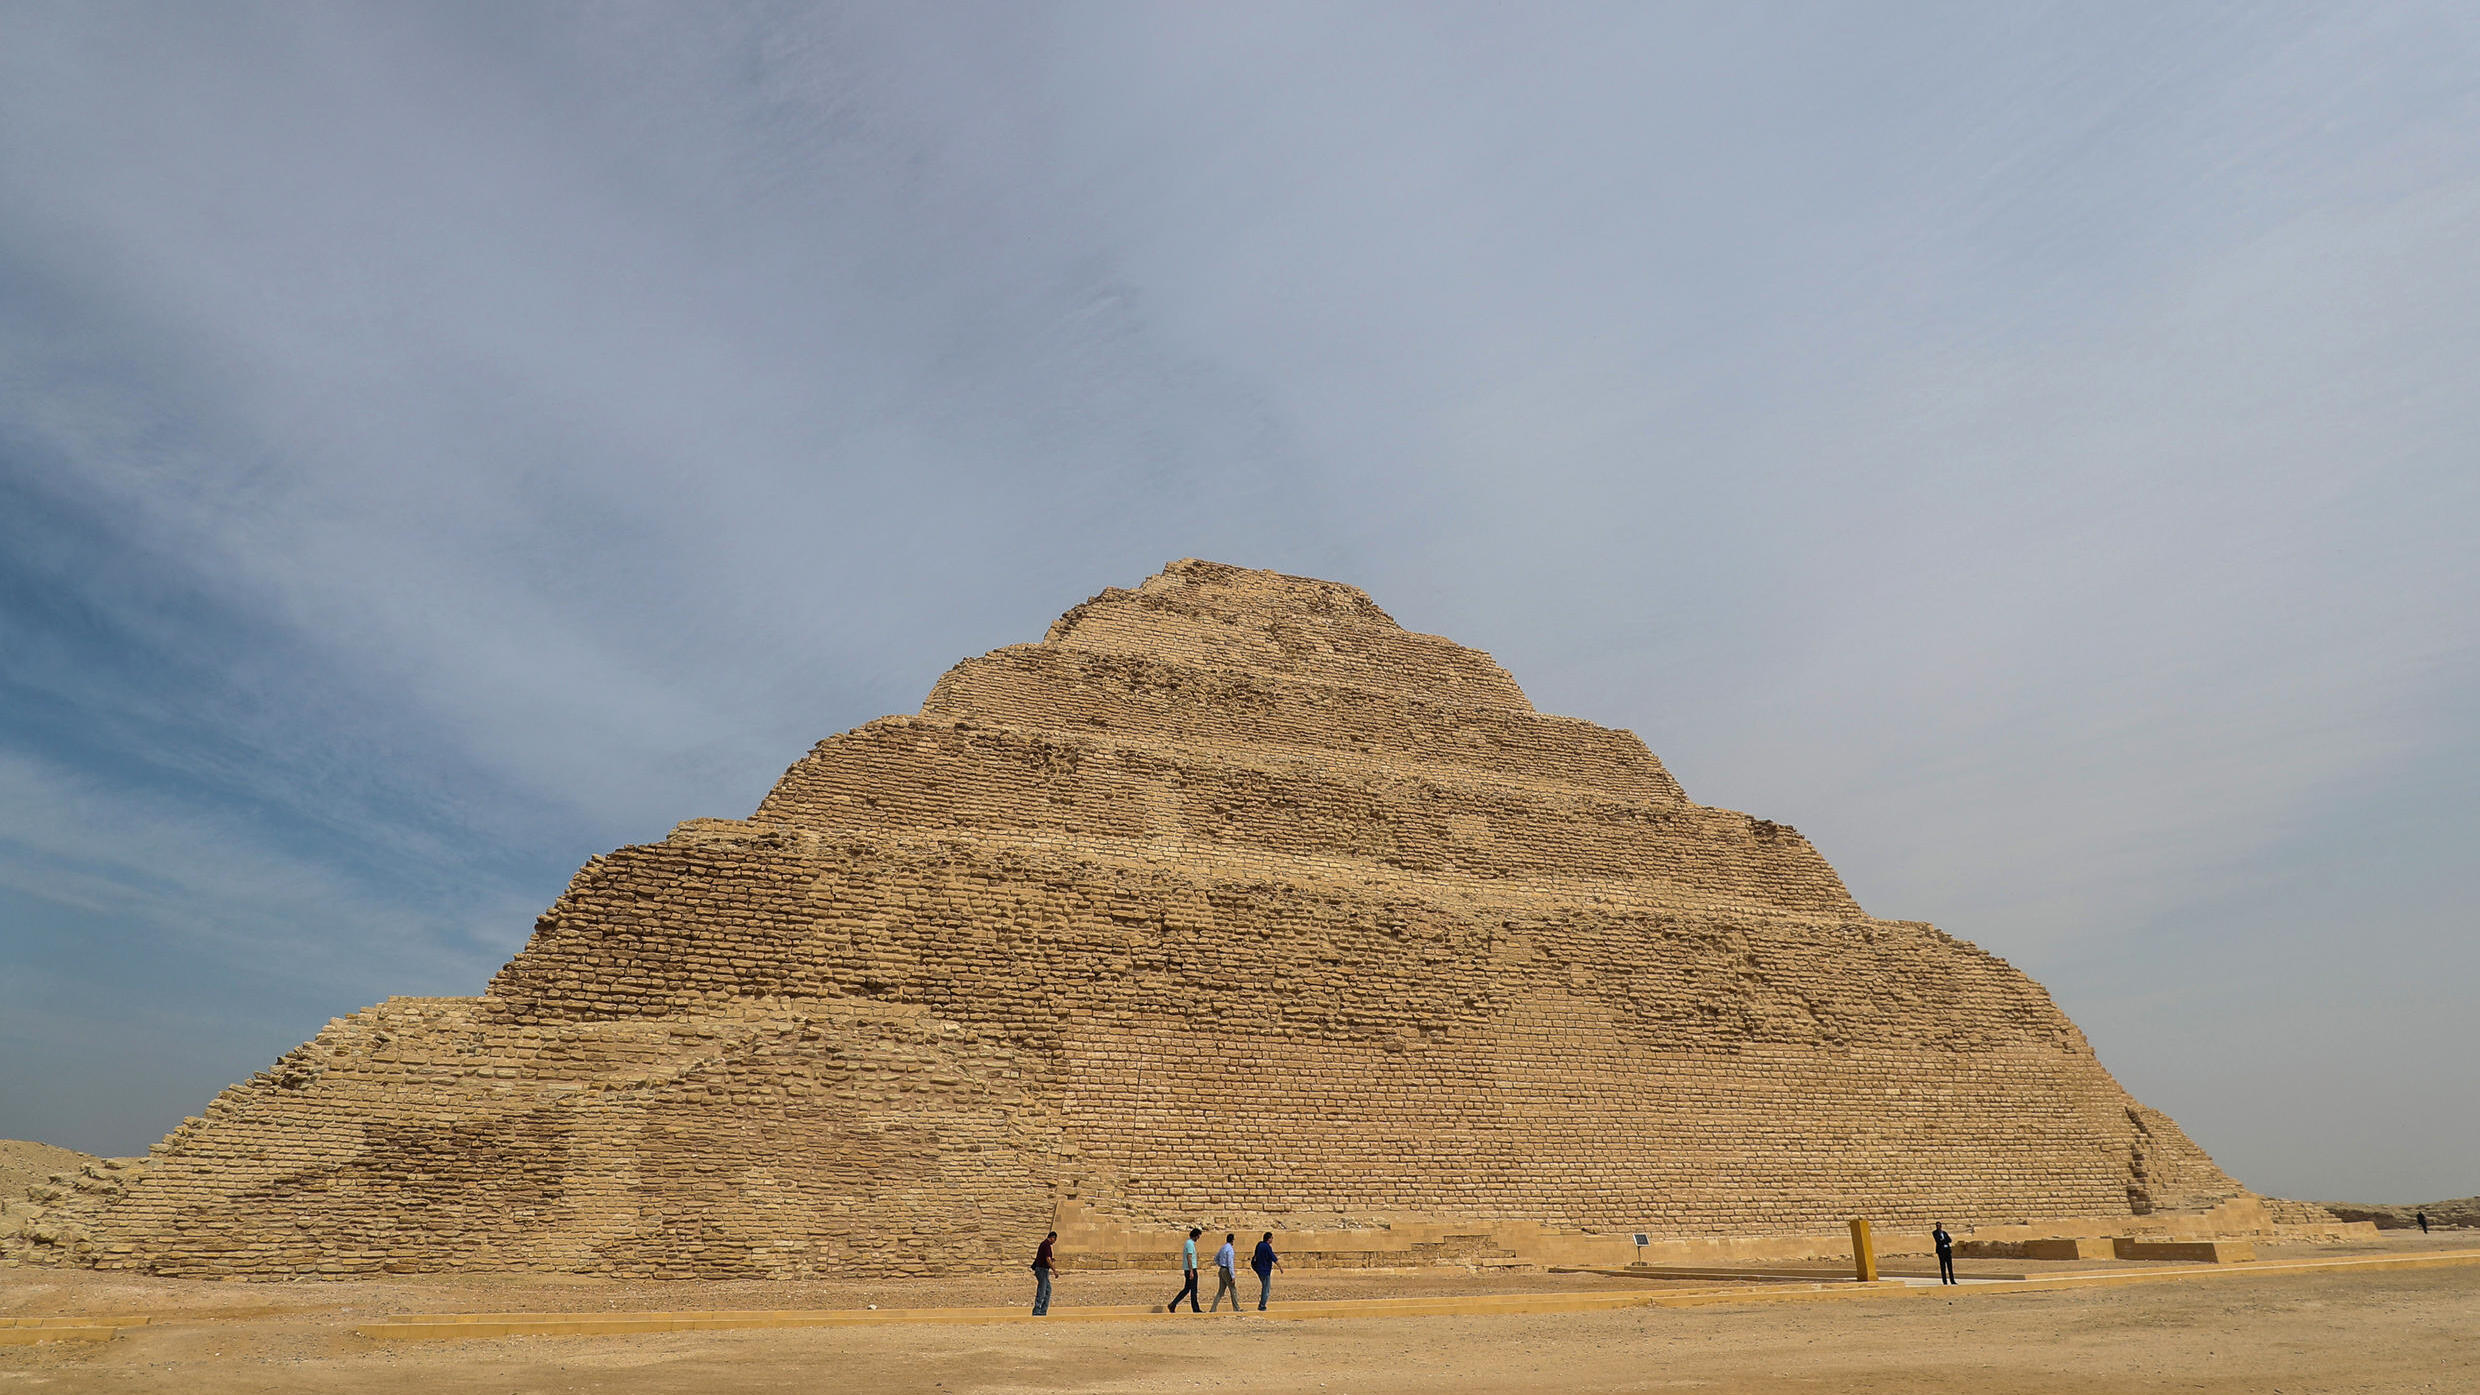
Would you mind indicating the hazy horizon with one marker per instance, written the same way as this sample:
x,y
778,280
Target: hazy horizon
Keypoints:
x,y
2029,450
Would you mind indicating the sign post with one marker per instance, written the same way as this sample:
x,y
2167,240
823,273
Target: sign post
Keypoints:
x,y
1863,1253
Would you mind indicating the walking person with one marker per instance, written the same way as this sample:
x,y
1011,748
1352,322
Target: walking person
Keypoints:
x,y
1188,1265
1042,1266
2422,1216
1946,1253
1264,1262
1225,1281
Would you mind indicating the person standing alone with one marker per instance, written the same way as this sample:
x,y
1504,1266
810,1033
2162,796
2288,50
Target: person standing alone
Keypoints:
x,y
1042,1266
1225,1281
1264,1262
1188,1265
1946,1253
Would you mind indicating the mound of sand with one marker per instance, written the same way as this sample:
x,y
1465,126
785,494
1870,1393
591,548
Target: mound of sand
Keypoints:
x,y
25,1164
48,1194
2462,1212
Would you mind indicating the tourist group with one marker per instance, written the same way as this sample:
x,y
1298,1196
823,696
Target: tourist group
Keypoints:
x,y
1226,1278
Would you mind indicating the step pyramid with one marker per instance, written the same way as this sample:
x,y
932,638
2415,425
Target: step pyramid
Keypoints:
x,y
1230,902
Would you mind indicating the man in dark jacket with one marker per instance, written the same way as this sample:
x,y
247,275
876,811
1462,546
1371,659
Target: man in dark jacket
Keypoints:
x,y
1264,1262
1946,1253
1042,1266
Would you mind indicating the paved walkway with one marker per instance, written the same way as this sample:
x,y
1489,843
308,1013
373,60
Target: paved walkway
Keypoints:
x,y
606,1324
19,1330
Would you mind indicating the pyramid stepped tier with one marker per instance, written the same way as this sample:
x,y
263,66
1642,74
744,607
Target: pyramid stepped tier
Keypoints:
x,y
1212,616
1279,809
1230,903
1049,688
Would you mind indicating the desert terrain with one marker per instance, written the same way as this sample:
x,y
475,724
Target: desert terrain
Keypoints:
x,y
2461,1211
2395,1330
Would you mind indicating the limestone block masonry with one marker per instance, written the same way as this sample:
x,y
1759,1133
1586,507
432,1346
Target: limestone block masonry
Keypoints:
x,y
1231,902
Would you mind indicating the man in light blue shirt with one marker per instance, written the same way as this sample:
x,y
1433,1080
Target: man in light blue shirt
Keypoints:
x,y
1188,1264
1224,1280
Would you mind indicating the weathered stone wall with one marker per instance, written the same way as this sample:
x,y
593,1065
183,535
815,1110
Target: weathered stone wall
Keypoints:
x,y
1230,900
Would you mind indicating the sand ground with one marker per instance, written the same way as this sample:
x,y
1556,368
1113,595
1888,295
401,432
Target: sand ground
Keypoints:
x,y
2416,1330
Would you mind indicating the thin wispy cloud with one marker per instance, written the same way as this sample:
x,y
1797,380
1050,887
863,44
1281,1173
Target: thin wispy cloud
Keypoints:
x,y
2030,450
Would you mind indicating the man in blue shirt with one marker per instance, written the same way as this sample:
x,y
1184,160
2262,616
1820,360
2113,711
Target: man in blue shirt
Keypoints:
x,y
1264,1262
1225,1281
1188,1263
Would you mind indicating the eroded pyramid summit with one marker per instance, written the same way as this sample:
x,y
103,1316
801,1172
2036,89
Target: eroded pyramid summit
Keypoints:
x,y
1231,901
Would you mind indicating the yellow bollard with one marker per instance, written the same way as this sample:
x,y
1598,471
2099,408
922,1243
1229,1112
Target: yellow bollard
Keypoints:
x,y
1863,1253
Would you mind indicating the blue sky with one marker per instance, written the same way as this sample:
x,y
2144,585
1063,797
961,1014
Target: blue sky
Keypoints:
x,y
2031,449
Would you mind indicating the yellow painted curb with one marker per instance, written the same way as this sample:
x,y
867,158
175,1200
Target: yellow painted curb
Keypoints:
x,y
2111,1278
2095,1278
28,1336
